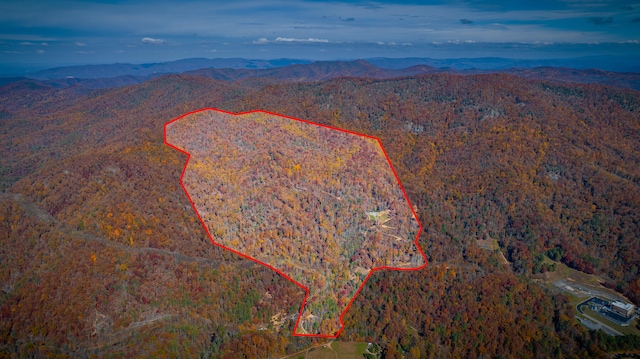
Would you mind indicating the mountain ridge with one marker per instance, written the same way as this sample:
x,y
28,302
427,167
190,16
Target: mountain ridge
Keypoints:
x,y
177,66
94,71
323,70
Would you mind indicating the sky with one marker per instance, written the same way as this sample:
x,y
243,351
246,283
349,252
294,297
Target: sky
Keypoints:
x,y
48,32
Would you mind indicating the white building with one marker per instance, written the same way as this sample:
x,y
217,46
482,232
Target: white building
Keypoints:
x,y
621,308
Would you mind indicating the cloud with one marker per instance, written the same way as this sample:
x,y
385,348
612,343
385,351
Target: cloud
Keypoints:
x,y
459,42
601,20
150,40
291,39
40,51
393,43
357,25
83,52
28,43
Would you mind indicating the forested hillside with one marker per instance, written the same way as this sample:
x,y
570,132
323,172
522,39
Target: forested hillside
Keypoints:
x,y
101,252
320,205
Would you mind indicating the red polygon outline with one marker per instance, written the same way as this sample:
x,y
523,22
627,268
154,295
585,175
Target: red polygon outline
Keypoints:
x,y
269,266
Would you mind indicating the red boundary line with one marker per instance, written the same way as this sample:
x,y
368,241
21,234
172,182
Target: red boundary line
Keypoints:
x,y
269,266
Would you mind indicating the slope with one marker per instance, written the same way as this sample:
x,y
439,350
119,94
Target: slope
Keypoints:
x,y
536,165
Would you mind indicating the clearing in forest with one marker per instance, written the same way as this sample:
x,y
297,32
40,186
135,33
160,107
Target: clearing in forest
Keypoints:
x,y
319,205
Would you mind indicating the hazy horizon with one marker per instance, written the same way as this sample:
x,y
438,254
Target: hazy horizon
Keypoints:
x,y
608,63
54,33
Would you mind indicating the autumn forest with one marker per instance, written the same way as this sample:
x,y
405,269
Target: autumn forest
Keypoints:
x,y
102,253
320,205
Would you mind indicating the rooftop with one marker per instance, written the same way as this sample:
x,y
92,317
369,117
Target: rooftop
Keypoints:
x,y
625,306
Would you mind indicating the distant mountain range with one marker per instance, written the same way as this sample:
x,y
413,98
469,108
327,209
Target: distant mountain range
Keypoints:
x,y
170,67
84,78
606,63
317,71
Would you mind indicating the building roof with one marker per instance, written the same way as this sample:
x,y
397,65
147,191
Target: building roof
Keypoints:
x,y
625,306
